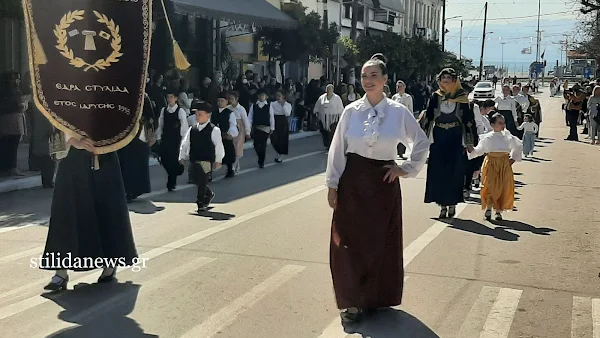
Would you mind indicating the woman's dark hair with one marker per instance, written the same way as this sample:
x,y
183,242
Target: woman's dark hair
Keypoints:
x,y
496,117
529,116
488,103
378,59
234,94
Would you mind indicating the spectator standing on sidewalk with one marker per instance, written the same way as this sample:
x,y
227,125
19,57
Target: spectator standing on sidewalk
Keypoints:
x,y
12,121
328,108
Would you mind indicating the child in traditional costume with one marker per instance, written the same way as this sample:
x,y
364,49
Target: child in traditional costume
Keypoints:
x,y
530,129
498,183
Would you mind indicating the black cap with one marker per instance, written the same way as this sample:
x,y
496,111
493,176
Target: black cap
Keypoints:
x,y
447,71
261,91
201,106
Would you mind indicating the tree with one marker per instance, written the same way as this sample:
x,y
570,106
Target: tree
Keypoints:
x,y
591,29
311,39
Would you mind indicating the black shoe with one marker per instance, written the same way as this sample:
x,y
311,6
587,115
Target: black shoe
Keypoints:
x,y
278,160
58,286
498,216
352,315
201,209
48,186
452,211
209,199
261,166
230,174
107,279
444,213
488,215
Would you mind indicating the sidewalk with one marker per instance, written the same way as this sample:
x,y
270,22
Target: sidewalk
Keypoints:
x,y
33,179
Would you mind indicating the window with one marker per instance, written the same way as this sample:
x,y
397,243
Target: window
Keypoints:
x,y
347,10
361,13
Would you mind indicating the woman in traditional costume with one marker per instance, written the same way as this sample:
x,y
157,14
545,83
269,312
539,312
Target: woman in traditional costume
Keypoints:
x,y
450,124
364,191
329,108
89,218
507,106
280,137
497,177
134,157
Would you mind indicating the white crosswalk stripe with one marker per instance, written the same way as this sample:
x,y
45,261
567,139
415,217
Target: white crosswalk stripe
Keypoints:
x,y
501,316
227,315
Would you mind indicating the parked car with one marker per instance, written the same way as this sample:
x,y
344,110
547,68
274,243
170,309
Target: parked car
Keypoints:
x,y
484,90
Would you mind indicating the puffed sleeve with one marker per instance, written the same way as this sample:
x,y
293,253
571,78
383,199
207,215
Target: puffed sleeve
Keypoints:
x,y
481,148
516,149
161,123
233,130
420,144
336,159
218,142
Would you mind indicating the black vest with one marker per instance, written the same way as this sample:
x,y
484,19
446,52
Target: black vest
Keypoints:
x,y
202,147
221,119
261,116
171,124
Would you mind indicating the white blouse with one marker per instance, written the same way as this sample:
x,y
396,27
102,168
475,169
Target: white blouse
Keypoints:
x,y
375,132
482,123
528,126
241,114
523,101
405,99
182,118
507,103
329,110
279,109
501,142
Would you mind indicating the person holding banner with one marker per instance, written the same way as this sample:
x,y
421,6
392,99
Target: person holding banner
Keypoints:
x,y
172,127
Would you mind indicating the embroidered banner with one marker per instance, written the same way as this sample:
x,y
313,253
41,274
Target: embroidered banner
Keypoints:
x,y
88,63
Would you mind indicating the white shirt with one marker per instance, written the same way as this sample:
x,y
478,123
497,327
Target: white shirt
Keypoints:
x,y
523,101
482,123
215,136
405,99
375,132
241,114
329,110
271,116
233,131
279,109
502,142
507,103
184,102
182,118
528,126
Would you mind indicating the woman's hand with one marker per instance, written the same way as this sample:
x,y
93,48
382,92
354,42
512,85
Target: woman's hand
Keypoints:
x,y
84,143
394,172
332,198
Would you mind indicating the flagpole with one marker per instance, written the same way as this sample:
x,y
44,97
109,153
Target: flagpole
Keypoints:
x,y
537,52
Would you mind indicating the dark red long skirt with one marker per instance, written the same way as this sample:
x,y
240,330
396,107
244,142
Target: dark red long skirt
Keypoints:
x,y
366,237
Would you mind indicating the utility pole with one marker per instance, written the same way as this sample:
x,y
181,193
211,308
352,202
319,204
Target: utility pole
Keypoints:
x,y
444,25
460,42
483,42
338,43
502,67
537,52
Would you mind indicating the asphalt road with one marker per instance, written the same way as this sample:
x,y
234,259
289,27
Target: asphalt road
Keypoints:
x,y
257,264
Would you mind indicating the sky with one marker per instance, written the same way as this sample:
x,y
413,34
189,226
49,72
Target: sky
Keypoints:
x,y
514,23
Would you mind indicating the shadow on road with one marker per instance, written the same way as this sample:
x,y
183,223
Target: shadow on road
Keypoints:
x,y
391,323
471,226
144,207
214,215
523,227
83,306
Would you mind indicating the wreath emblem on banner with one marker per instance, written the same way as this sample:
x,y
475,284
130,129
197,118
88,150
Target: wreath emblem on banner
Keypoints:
x,y
60,31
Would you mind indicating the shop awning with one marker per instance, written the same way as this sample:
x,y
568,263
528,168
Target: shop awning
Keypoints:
x,y
258,12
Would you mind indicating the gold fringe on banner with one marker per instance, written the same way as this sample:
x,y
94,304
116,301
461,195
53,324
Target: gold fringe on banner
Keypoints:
x,y
39,56
181,61
96,163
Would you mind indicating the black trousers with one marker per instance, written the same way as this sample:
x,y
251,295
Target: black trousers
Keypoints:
x,y
201,180
9,145
572,117
471,167
260,145
47,167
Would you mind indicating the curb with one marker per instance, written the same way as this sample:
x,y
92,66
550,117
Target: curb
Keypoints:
x,y
36,181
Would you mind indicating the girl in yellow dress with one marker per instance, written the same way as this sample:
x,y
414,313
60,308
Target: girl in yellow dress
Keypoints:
x,y
502,149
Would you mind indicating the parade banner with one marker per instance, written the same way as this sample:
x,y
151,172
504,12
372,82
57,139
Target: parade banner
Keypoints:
x,y
88,61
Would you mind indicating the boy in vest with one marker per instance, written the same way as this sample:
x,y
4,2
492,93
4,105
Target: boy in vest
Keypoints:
x,y
262,120
203,146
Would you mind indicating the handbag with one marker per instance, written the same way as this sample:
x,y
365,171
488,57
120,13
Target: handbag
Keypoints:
x,y
57,144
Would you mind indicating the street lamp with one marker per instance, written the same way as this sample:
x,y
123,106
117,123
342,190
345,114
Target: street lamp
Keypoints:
x,y
444,30
502,43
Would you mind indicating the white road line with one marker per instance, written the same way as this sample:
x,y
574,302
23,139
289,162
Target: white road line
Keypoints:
x,y
581,317
335,329
31,302
164,191
227,315
471,327
596,317
37,251
122,297
501,316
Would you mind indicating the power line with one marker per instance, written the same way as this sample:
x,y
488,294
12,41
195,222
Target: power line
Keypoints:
x,y
521,17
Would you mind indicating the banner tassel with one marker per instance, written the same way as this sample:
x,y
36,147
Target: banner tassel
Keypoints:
x,y
96,163
181,61
39,56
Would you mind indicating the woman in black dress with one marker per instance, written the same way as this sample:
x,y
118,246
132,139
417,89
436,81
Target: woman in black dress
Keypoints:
x,y
450,125
134,156
89,220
